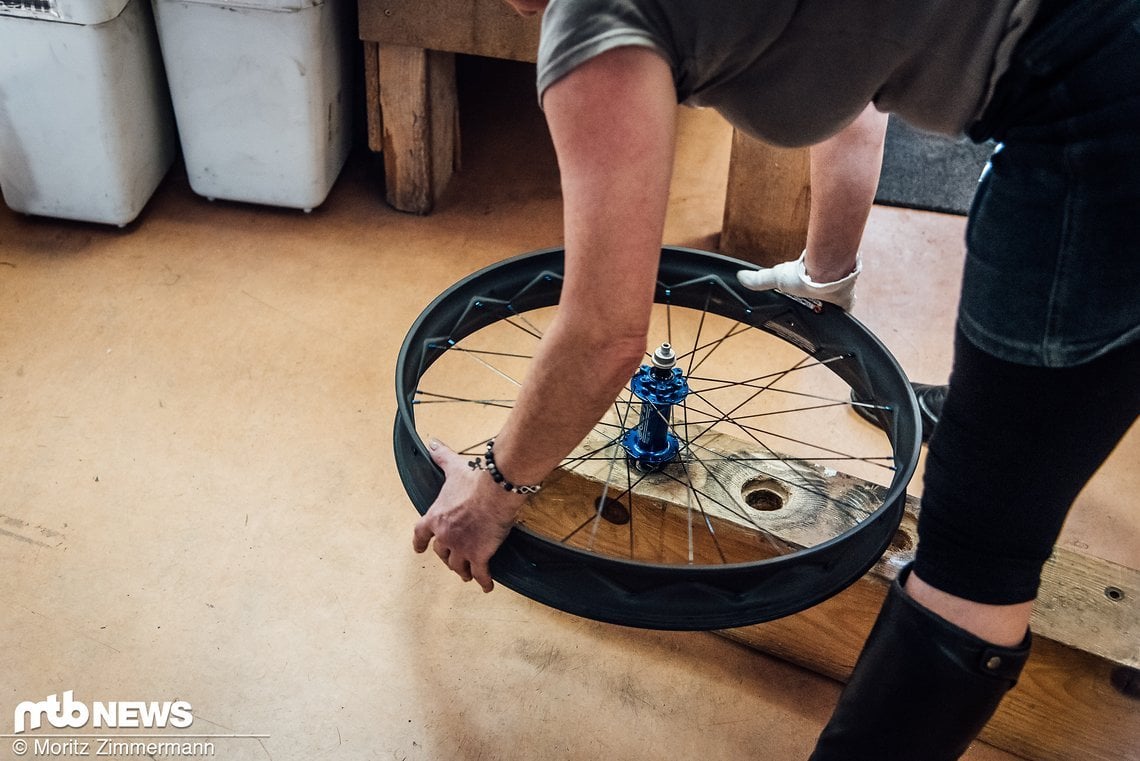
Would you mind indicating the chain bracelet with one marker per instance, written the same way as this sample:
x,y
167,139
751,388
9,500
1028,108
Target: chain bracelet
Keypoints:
x,y
487,463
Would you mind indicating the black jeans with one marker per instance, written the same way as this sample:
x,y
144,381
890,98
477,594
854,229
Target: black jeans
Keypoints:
x,y
1046,376
1013,448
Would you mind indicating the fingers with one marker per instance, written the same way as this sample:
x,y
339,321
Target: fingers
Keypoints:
x,y
440,454
756,280
443,552
785,276
452,560
439,529
481,572
421,535
461,567
465,569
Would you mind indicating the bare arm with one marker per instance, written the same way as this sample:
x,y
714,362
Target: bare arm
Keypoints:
x,y
612,121
844,176
612,124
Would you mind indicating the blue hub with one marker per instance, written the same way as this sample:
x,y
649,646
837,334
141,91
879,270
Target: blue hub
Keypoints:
x,y
659,386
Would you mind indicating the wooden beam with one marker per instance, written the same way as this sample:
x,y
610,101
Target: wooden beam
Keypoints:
x,y
1065,707
479,27
759,506
766,207
410,91
373,115
1086,622
420,135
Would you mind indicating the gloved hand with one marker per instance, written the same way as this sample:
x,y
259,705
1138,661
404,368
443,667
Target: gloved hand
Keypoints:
x,y
792,278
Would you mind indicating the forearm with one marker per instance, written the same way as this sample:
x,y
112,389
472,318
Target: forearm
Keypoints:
x,y
612,125
572,383
844,177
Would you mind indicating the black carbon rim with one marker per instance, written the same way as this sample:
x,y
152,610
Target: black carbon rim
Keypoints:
x,y
653,594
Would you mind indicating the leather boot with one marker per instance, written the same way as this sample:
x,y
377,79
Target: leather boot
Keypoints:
x,y
930,400
922,688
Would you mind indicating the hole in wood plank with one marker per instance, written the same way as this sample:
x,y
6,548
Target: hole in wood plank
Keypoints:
x,y
1114,593
1126,680
764,494
612,510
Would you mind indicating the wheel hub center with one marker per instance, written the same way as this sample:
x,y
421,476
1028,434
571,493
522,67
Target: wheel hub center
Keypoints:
x,y
660,386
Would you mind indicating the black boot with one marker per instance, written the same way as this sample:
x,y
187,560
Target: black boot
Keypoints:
x,y
921,690
930,400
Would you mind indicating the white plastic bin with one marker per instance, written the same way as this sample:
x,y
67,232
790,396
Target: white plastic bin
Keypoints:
x,y
86,129
262,96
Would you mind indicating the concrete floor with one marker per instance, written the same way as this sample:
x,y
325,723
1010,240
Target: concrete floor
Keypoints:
x,y
198,500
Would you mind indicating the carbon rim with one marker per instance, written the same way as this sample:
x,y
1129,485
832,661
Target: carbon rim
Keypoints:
x,y
732,500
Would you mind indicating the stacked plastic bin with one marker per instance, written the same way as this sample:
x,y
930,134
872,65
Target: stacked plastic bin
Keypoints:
x,y
86,130
261,95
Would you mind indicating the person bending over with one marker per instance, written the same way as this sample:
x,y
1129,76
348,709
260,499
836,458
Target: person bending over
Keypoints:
x,y
1046,351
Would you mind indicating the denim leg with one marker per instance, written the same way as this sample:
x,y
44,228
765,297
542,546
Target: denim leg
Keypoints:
x,y
1052,276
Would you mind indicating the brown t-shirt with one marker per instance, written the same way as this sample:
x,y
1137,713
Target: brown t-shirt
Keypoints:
x,y
793,72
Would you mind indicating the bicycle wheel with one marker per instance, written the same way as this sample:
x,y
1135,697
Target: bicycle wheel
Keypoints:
x,y
730,484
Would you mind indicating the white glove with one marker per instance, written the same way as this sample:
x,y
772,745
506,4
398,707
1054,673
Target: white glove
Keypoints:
x,y
792,278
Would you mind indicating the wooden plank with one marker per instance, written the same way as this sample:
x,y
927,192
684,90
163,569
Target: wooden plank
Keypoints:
x,y
420,135
1092,604
373,114
1065,708
814,505
479,27
811,506
766,207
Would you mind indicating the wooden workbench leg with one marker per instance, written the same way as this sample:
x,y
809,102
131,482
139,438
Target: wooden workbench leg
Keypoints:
x,y
374,118
419,133
766,208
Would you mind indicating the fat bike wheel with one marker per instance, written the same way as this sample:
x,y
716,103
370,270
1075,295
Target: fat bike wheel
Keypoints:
x,y
730,484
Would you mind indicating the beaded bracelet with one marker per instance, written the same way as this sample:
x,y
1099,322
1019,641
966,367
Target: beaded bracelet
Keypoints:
x,y
498,477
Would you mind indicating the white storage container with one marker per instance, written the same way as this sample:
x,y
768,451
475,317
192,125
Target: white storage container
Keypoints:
x,y
86,130
262,96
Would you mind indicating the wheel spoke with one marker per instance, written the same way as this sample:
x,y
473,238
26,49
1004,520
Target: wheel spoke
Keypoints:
x,y
506,404
526,326
712,346
778,375
464,349
693,426
728,466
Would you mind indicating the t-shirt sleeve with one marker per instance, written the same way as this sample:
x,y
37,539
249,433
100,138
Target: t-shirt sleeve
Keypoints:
x,y
574,31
